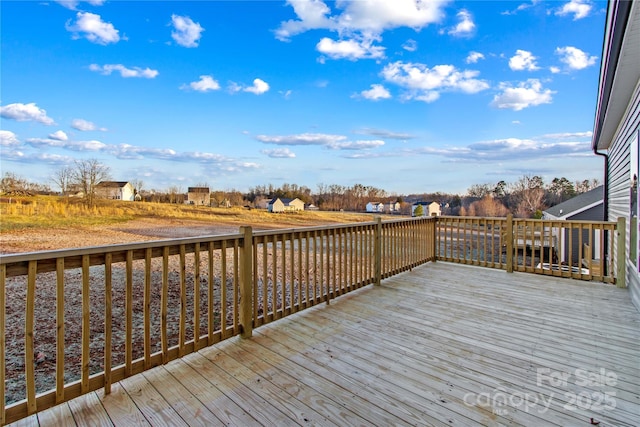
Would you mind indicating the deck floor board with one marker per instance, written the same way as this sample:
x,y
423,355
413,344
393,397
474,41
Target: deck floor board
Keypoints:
x,y
443,344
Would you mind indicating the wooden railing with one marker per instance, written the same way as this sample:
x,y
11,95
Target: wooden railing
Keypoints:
x,y
577,249
74,321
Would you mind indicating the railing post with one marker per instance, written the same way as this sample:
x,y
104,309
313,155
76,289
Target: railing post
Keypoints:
x,y
436,239
246,282
621,255
509,239
377,252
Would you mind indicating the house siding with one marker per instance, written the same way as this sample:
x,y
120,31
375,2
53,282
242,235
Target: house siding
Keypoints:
x,y
619,173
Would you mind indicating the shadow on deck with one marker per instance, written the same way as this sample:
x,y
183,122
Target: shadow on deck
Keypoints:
x,y
443,344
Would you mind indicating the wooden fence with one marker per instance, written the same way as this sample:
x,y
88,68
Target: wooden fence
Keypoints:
x,y
74,321
582,250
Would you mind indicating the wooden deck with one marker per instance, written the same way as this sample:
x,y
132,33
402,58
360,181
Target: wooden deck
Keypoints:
x,y
443,344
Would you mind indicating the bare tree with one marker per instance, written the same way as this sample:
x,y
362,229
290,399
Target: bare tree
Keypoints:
x,y
137,188
528,196
174,193
62,178
11,182
586,185
480,190
87,174
488,206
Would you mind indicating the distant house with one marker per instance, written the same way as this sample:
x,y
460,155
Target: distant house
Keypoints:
x,y
428,208
587,206
200,196
311,207
115,190
616,131
375,207
391,207
285,205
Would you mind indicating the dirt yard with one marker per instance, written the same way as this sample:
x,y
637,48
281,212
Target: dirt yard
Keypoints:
x,y
138,230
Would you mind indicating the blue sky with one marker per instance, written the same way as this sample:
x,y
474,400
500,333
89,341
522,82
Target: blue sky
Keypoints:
x,y
409,96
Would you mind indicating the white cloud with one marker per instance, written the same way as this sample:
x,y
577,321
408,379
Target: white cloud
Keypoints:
x,y
410,45
385,134
521,7
375,93
125,72
474,57
579,8
426,84
8,138
259,87
92,145
72,4
349,49
279,153
575,58
186,32
523,60
511,149
367,17
26,112
526,94
59,136
567,135
53,159
554,70
93,28
205,84
465,26
335,142
357,145
84,125
302,139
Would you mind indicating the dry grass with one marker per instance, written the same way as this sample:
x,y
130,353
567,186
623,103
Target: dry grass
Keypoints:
x,y
45,212
30,224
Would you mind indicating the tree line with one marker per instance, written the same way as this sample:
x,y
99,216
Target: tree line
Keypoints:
x,y
526,197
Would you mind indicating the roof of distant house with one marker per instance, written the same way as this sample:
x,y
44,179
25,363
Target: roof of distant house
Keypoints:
x,y
117,184
198,190
577,204
282,199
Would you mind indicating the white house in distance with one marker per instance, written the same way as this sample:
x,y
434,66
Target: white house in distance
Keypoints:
x,y
428,208
391,207
616,132
115,190
375,207
200,196
279,204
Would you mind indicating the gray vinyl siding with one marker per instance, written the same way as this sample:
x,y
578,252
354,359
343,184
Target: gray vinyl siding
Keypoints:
x,y
619,180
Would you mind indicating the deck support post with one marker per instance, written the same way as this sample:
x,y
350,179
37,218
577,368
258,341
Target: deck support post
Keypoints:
x,y
621,254
377,252
509,241
246,282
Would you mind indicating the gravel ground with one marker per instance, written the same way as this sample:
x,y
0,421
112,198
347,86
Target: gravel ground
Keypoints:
x,y
45,316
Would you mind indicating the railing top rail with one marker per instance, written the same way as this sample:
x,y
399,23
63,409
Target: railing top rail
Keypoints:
x,y
281,231
93,250
564,221
490,218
